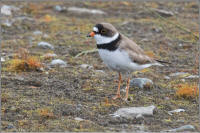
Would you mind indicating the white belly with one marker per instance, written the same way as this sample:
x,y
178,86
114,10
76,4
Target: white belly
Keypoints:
x,y
119,61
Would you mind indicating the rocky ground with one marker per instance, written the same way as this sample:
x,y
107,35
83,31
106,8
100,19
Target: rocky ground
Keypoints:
x,y
53,79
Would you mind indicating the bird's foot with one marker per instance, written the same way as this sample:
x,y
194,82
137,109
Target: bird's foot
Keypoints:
x,y
116,97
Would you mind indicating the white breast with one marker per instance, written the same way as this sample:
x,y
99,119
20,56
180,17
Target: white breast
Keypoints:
x,y
120,61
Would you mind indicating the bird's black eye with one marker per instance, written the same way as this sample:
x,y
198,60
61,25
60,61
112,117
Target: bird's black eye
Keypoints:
x,y
103,31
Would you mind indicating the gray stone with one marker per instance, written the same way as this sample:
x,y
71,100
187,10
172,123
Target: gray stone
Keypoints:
x,y
125,23
178,74
45,45
166,77
169,43
158,30
176,111
145,40
167,98
183,80
133,112
58,8
2,59
58,62
180,45
78,119
182,128
85,10
164,13
37,32
181,121
140,82
86,66
13,109
46,36
100,71
193,77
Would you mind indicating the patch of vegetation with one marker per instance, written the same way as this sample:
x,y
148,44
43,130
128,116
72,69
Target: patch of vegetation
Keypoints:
x,y
24,62
45,113
187,90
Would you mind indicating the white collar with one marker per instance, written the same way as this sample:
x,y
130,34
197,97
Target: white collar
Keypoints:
x,y
102,39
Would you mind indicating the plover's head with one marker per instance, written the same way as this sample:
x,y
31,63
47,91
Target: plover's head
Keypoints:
x,y
104,33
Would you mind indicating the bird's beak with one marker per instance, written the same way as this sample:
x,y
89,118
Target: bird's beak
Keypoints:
x,y
91,34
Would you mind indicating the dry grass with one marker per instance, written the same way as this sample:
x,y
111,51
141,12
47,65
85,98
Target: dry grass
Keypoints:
x,y
24,62
150,54
47,18
187,90
45,113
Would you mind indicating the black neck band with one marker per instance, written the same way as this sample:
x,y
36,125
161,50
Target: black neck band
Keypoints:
x,y
111,46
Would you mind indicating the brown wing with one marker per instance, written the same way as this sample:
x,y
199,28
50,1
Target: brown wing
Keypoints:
x,y
136,54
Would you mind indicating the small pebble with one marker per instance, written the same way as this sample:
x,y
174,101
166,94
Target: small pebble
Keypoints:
x,y
100,71
37,32
183,80
167,98
2,59
167,77
144,40
58,8
192,77
86,66
58,62
78,119
164,13
176,111
46,36
45,45
180,45
49,55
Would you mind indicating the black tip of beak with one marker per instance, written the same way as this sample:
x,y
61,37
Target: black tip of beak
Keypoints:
x,y
88,35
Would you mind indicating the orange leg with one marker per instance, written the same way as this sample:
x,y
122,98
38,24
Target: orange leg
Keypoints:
x,y
118,90
127,89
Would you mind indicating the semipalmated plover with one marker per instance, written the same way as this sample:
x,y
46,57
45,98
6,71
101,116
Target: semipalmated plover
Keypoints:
x,y
120,53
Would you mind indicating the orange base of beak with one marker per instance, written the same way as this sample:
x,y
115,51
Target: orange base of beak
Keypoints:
x,y
91,34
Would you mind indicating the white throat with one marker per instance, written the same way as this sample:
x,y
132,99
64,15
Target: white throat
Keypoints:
x,y
102,39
